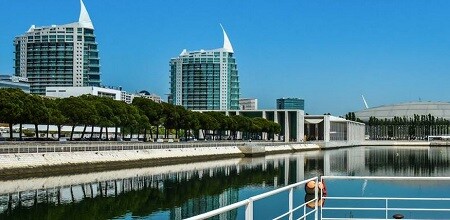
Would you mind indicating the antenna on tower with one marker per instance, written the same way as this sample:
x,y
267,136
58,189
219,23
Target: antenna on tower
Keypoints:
x,y
365,103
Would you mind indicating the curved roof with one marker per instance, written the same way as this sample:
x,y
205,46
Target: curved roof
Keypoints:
x,y
408,109
145,92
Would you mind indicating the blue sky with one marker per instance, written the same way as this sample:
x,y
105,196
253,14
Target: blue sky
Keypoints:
x,y
326,51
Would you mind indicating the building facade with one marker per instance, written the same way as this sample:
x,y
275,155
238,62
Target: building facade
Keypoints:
x,y
248,104
58,55
291,103
291,122
65,92
148,95
7,81
205,79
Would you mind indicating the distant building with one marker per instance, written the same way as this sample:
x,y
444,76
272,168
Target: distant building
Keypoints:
x,y
147,95
248,104
127,97
58,55
7,81
65,92
406,110
205,79
291,103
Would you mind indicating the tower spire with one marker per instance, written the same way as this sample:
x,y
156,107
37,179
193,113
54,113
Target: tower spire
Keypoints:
x,y
226,41
84,20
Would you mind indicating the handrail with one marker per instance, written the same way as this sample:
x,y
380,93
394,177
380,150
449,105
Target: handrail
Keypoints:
x,y
248,203
382,178
387,207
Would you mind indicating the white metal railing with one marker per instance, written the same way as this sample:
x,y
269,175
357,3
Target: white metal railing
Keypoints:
x,y
47,147
248,204
388,208
113,146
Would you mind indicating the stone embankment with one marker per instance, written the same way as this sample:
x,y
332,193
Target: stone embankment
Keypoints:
x,y
19,160
14,165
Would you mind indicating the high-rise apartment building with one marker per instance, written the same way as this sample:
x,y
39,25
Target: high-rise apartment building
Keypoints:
x,y
205,79
291,103
59,55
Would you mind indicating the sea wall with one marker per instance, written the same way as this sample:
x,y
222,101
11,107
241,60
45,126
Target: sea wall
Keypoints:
x,y
42,164
21,165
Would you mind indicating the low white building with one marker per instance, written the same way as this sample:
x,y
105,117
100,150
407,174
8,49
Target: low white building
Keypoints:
x,y
127,97
65,92
147,95
248,104
331,128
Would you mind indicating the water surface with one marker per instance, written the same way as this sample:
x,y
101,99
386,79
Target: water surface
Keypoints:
x,y
181,191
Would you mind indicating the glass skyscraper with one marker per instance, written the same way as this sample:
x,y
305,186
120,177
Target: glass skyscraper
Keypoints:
x,y
58,55
205,79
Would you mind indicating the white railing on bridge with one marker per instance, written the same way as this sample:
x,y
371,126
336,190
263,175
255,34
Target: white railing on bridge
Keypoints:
x,y
388,209
248,204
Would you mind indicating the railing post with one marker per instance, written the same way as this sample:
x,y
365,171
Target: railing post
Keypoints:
x,y
387,208
321,196
249,210
291,202
316,197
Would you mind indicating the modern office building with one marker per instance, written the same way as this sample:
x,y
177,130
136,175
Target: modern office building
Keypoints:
x,y
248,104
291,103
7,81
205,79
58,55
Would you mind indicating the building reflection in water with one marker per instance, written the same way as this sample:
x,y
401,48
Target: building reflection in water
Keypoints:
x,y
190,189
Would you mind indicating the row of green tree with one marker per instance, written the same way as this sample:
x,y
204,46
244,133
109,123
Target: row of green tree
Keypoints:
x,y
404,128
142,117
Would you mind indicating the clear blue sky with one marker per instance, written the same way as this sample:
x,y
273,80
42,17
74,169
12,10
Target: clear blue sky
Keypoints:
x,y
326,51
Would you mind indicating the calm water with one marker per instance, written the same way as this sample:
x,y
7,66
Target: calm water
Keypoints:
x,y
180,191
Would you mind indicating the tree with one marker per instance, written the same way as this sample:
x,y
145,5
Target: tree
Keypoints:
x,y
10,108
77,111
39,112
171,117
55,115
